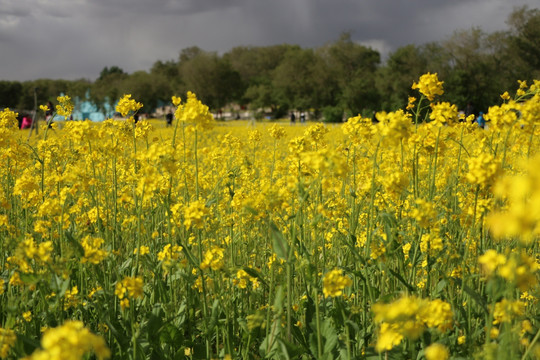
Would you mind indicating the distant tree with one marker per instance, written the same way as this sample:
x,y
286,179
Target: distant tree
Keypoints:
x,y
212,78
168,74
394,80
255,66
353,68
166,68
525,36
10,92
46,90
261,95
189,53
26,98
113,70
472,68
302,81
256,63
107,88
146,88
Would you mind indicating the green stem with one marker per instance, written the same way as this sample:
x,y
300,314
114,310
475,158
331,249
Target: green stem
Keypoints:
x,y
318,324
530,142
196,168
531,345
434,172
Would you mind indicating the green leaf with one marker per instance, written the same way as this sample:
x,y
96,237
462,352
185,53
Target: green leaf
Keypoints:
x,y
278,301
77,245
330,336
256,274
29,278
251,210
280,245
473,294
283,348
192,259
60,285
213,318
402,280
155,321
439,288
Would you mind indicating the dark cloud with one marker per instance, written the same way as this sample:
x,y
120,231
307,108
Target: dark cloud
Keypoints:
x,y
157,7
77,38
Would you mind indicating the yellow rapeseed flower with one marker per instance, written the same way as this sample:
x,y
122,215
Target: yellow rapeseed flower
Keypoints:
x,y
194,214
443,113
334,282
437,352
176,100
506,311
92,250
195,112
389,335
129,286
408,317
276,131
213,258
71,341
483,169
65,106
429,85
7,340
143,250
126,105
490,261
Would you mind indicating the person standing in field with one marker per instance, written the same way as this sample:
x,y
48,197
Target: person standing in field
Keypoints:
x,y
480,120
49,113
169,118
26,122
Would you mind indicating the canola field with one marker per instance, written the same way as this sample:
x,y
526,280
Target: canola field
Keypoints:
x,y
413,238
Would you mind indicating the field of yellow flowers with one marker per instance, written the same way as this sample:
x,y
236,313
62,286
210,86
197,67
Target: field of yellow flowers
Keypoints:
x,y
413,238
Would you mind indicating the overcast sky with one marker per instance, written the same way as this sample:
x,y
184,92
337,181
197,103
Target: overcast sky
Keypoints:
x,y
73,39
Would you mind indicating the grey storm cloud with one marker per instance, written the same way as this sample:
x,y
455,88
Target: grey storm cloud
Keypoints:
x,y
76,38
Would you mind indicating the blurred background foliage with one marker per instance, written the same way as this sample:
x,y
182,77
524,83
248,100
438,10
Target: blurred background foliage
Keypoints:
x,y
342,76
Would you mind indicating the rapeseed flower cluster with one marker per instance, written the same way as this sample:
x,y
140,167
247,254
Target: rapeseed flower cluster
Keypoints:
x,y
520,217
409,317
127,105
65,106
429,86
394,126
71,341
243,279
193,111
213,258
437,352
483,169
334,282
129,287
8,124
443,113
518,268
7,340
194,214
93,253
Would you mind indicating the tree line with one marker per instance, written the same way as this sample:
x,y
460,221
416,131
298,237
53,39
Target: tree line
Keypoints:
x,y
339,78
